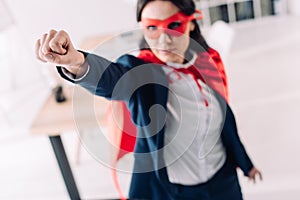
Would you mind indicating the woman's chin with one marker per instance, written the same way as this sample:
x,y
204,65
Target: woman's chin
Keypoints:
x,y
170,58
167,56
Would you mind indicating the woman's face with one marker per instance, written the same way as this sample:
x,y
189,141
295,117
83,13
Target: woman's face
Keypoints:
x,y
167,46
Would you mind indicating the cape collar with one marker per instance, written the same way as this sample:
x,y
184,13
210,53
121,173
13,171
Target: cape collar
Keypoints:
x,y
149,57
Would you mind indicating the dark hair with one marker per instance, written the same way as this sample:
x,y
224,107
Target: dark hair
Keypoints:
x,y
188,8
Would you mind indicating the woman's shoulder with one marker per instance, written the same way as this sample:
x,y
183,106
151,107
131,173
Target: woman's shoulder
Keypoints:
x,y
140,57
129,60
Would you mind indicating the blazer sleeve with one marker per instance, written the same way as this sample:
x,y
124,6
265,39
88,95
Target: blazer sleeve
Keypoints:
x,y
103,75
235,148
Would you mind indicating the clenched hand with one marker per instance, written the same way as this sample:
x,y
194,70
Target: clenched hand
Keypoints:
x,y
56,47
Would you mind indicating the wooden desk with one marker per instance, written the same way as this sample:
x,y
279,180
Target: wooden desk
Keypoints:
x,y
55,118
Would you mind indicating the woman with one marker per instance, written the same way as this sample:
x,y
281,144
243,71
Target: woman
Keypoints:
x,y
187,144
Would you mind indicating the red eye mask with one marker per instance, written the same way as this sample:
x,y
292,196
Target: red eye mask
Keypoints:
x,y
173,26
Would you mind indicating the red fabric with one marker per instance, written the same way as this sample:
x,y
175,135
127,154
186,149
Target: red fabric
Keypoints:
x,y
208,67
192,70
116,182
164,25
148,57
119,128
128,135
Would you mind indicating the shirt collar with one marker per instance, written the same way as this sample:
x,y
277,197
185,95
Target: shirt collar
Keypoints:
x,y
185,65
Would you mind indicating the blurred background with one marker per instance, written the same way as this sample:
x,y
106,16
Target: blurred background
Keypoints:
x,y
259,41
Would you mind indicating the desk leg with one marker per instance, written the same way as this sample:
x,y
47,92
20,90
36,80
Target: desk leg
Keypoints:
x,y
64,166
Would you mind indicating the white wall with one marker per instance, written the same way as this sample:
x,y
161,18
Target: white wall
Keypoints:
x,y
80,18
32,18
294,7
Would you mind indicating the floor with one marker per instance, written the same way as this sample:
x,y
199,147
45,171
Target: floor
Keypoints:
x,y
265,95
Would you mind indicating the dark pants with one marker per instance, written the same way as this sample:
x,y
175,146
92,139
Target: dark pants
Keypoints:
x,y
223,186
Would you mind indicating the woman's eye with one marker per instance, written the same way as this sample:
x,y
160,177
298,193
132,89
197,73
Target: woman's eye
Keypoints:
x,y
151,28
174,25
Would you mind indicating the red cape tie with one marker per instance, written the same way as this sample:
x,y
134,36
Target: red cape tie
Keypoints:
x,y
192,70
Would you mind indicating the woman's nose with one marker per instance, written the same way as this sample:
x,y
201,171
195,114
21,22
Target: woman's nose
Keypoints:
x,y
164,38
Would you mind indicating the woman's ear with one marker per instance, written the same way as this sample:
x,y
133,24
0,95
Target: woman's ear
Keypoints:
x,y
192,26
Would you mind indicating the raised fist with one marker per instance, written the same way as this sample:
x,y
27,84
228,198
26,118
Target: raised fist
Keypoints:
x,y
56,47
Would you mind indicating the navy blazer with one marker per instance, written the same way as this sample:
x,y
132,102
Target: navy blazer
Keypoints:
x,y
144,87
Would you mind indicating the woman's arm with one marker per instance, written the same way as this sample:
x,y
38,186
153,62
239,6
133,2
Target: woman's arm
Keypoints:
x,y
235,148
94,73
100,77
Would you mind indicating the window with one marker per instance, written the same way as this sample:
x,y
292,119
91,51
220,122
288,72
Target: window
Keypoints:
x,y
238,10
219,13
244,10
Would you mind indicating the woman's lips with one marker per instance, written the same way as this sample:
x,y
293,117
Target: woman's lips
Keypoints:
x,y
167,51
